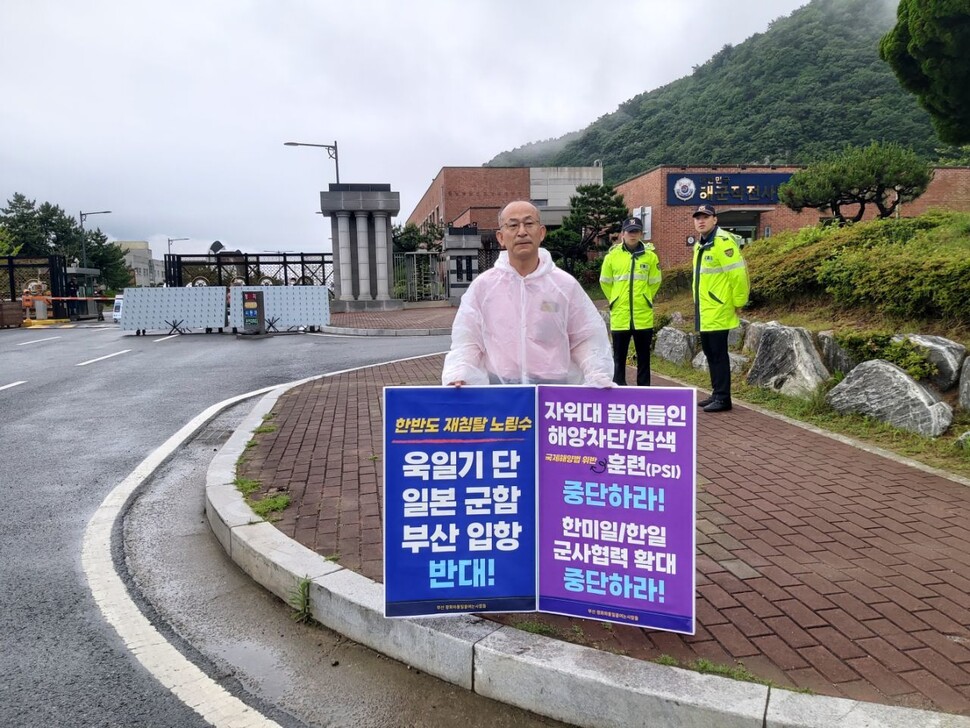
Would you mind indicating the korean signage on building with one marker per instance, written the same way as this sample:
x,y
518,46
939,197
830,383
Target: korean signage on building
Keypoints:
x,y
572,500
729,188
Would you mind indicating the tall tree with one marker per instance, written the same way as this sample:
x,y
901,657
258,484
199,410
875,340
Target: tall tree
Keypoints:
x,y
883,175
19,218
7,246
109,258
410,237
928,52
595,211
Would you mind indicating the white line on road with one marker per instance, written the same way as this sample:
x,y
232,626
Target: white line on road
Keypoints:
x,y
165,338
37,341
102,358
14,384
192,686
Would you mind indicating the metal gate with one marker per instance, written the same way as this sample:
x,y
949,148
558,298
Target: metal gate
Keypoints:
x,y
37,276
420,276
244,269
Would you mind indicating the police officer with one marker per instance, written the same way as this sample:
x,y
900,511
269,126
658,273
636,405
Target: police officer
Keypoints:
x,y
630,277
720,289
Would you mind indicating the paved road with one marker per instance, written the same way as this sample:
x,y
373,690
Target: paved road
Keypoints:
x,y
79,408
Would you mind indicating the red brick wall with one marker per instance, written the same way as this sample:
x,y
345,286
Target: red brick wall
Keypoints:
x,y
672,224
457,189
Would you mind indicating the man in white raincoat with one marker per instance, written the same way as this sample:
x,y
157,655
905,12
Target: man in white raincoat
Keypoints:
x,y
525,321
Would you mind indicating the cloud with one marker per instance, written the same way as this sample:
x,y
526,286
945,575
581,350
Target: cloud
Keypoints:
x,y
173,115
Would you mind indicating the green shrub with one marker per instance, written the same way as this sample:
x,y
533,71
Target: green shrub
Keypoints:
x,y
675,280
910,357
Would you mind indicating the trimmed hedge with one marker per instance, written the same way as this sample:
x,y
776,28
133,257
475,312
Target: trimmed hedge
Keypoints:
x,y
910,267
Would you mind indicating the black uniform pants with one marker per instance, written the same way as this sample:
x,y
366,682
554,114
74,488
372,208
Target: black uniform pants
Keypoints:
x,y
621,347
715,346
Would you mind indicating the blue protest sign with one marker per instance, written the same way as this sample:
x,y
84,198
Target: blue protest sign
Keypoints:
x,y
459,500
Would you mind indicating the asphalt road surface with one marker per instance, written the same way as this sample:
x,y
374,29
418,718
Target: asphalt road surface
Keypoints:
x,y
79,410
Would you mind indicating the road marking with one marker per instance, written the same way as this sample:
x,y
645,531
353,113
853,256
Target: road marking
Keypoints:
x,y
169,666
165,338
102,358
37,341
67,326
14,384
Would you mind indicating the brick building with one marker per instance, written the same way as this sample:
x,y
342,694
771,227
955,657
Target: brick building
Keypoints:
x,y
746,198
463,196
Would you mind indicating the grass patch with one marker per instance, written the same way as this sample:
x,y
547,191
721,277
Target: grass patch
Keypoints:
x,y
251,443
300,601
668,660
270,504
247,486
535,627
264,429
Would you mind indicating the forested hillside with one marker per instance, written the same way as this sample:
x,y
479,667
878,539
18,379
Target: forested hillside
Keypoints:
x,y
812,83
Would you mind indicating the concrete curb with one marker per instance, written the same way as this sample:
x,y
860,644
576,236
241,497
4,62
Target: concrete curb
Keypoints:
x,y
560,680
383,332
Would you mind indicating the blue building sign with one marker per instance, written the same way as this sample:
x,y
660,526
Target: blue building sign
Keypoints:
x,y
729,188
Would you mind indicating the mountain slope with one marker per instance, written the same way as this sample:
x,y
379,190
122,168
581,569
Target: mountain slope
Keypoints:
x,y
812,83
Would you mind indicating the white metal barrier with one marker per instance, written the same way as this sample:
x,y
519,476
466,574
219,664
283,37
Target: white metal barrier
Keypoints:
x,y
285,307
173,309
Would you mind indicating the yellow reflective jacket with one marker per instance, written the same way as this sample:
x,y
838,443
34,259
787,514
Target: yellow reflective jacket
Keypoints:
x,y
720,282
630,281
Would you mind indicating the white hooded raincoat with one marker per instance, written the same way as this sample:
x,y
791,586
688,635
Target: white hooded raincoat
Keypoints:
x,y
538,329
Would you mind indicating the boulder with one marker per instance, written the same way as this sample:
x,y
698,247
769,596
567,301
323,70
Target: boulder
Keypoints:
x,y
882,390
787,361
963,400
752,336
738,362
736,335
948,356
835,358
963,442
677,318
674,345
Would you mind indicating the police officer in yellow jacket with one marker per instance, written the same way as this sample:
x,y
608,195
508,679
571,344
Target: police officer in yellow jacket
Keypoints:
x,y
720,289
630,277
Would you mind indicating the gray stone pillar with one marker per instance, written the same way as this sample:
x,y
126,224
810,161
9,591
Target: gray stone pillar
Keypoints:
x,y
382,245
365,267
363,257
343,252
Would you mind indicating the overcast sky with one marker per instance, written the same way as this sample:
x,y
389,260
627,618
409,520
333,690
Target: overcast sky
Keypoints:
x,y
173,114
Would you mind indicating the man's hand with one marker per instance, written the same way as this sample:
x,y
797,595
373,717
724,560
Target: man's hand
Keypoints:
x,y
601,381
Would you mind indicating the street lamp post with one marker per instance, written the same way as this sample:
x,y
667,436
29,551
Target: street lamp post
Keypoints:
x,y
331,152
173,240
84,241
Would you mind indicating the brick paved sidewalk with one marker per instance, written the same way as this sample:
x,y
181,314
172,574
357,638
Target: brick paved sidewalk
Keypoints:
x,y
820,566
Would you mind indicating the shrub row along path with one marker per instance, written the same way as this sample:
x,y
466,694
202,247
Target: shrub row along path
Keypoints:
x,y
819,565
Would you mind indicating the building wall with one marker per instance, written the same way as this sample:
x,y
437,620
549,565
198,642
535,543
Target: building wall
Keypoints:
x,y
672,224
456,189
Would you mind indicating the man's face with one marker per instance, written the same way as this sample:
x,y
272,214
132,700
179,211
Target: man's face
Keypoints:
x,y
704,223
632,238
521,233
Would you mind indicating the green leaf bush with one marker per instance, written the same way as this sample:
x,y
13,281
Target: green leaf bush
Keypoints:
x,y
910,357
915,268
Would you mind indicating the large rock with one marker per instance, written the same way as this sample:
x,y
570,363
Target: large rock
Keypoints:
x,y
738,362
882,390
787,361
948,356
964,398
736,335
752,335
835,358
675,346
